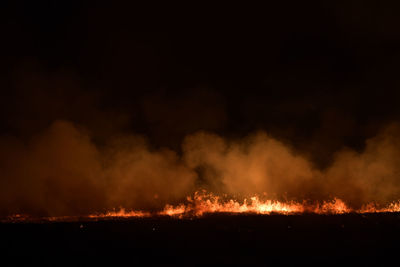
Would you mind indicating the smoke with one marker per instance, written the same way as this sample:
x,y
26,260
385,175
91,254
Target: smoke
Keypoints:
x,y
63,152
254,165
61,171
141,177
56,172
370,176
171,117
261,164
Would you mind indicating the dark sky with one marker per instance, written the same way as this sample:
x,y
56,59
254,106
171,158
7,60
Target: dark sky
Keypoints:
x,y
319,76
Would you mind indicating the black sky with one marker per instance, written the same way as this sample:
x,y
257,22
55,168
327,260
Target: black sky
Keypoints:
x,y
319,76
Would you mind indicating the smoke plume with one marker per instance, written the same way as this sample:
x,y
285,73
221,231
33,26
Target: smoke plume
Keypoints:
x,y
61,171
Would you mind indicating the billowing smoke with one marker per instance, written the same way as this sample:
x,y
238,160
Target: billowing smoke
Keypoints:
x,y
61,171
261,164
66,154
56,172
139,177
370,176
257,164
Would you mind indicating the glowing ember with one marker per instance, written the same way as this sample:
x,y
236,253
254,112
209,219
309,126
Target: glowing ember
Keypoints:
x,y
121,213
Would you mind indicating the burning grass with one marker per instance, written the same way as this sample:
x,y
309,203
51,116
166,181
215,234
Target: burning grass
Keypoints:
x,y
203,203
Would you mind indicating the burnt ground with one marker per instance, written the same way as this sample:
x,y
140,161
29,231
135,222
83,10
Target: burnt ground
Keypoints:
x,y
213,239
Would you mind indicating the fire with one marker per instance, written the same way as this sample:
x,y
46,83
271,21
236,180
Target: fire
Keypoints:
x,y
207,203
122,213
393,207
170,210
336,206
203,203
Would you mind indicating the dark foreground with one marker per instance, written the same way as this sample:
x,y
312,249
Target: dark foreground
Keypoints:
x,y
250,239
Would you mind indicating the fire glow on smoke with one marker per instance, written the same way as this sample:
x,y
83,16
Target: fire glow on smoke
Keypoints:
x,y
63,173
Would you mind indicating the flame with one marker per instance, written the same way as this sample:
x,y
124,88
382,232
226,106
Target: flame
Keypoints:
x,y
203,203
207,203
170,210
336,206
121,213
393,207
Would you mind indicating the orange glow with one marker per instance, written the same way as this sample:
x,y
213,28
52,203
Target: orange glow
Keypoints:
x,y
336,206
203,203
122,213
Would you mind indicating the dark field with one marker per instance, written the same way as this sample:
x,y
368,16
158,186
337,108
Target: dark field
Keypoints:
x,y
238,239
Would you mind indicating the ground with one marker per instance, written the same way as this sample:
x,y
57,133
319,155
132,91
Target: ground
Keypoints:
x,y
217,238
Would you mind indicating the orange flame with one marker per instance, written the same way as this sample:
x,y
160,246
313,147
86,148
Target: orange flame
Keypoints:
x,y
205,203
121,213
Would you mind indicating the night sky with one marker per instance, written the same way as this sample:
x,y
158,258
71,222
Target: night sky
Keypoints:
x,y
319,76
